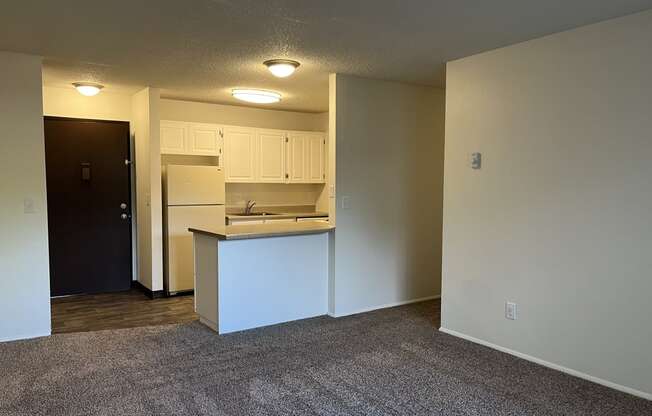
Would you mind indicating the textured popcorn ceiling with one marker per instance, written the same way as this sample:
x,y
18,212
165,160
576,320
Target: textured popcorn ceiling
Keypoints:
x,y
200,49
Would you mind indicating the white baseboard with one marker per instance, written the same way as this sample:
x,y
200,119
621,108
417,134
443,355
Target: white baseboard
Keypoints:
x,y
387,305
548,364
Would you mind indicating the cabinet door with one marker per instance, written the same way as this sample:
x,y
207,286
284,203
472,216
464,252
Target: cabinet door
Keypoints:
x,y
174,137
271,156
296,154
240,154
204,139
315,158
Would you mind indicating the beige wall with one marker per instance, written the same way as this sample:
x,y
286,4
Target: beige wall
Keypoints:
x,y
24,261
67,102
149,210
558,218
272,194
389,161
240,116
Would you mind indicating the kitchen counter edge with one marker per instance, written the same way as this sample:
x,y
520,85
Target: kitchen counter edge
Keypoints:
x,y
243,232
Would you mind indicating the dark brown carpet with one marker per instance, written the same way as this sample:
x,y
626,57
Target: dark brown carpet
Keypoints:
x,y
390,362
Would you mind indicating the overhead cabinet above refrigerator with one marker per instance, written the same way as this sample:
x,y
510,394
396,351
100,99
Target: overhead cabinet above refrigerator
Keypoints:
x,y
196,139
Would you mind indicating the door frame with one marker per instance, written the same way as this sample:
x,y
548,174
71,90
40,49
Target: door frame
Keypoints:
x,y
132,187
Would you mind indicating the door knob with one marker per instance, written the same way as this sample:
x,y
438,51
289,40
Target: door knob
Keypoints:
x,y
124,216
123,206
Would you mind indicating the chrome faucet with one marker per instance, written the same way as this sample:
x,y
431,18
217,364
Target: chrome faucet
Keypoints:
x,y
250,206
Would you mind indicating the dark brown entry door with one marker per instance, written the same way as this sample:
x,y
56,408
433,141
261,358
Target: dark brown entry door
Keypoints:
x,y
88,197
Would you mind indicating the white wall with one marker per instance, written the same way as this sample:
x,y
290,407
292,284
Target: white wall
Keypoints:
x,y
149,210
67,102
241,116
389,162
558,218
24,261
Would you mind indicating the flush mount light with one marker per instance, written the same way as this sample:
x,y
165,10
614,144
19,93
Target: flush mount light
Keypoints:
x,y
87,89
281,67
257,96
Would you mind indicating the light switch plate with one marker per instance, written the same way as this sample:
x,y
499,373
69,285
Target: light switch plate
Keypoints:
x,y
510,310
476,160
346,202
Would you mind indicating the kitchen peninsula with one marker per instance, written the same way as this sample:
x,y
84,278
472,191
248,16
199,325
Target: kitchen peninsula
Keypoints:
x,y
247,276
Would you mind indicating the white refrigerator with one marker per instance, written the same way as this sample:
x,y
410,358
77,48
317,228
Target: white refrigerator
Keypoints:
x,y
193,196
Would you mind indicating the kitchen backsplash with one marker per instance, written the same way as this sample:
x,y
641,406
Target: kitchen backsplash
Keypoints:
x,y
272,194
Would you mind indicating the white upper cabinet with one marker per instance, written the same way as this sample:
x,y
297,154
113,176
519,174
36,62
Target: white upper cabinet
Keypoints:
x,y
174,137
205,139
240,154
297,148
315,158
271,156
305,153
182,138
249,154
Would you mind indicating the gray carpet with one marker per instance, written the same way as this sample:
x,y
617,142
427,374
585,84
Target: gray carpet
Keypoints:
x,y
390,362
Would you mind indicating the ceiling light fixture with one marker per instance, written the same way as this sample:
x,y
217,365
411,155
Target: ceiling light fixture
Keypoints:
x,y
87,89
281,67
256,96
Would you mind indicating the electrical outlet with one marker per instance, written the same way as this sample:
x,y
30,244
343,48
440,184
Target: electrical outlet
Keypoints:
x,y
510,311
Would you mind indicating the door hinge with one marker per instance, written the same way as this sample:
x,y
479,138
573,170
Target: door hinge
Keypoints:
x,y
286,139
287,176
221,133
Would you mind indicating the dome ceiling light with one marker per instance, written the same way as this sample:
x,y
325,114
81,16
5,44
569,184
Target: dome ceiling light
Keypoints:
x,y
281,67
88,89
256,96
